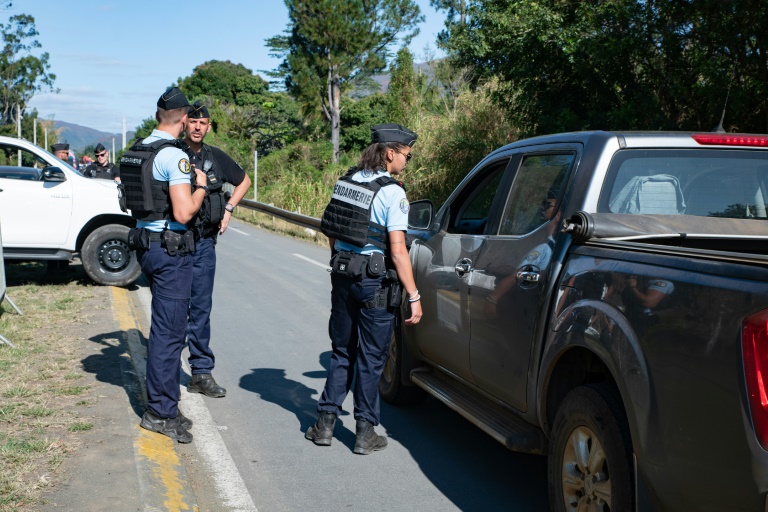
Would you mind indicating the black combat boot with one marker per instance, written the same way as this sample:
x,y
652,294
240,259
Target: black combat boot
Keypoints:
x,y
185,422
366,439
321,432
170,427
204,383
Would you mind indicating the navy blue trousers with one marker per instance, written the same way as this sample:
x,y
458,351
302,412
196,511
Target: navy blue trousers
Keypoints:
x,y
171,284
360,340
201,358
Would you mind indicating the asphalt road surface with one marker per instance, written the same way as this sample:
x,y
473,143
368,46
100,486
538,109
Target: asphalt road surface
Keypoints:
x,y
269,334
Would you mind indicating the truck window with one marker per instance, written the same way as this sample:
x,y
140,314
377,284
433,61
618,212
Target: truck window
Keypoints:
x,y
470,211
704,183
533,199
28,168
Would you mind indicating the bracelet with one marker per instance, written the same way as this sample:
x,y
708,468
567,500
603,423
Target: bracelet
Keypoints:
x,y
204,187
492,300
417,298
229,207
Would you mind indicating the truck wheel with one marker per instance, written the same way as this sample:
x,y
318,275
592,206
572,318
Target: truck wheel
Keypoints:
x,y
391,387
106,257
590,453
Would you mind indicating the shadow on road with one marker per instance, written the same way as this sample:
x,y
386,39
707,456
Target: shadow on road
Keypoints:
x,y
471,469
111,366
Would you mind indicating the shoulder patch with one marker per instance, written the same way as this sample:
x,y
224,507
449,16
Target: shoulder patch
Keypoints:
x,y
404,205
184,166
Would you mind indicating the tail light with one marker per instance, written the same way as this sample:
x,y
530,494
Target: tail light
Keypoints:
x,y
754,344
730,139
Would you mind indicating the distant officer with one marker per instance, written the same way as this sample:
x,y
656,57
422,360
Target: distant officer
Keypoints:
x,y
156,188
211,220
102,168
61,151
365,223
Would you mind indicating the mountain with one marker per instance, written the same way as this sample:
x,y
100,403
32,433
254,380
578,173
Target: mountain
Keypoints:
x,y
80,137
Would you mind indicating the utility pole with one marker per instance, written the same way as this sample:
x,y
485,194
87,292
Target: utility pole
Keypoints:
x,y
18,128
112,156
34,131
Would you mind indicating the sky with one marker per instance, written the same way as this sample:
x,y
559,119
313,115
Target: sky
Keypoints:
x,y
113,59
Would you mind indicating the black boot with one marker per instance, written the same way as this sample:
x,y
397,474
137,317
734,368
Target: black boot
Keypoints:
x,y
366,439
204,383
170,427
185,422
321,433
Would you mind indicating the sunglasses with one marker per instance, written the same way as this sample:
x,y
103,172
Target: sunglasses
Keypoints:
x,y
100,154
407,156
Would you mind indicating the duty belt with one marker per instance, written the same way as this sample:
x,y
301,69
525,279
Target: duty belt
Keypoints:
x,y
157,236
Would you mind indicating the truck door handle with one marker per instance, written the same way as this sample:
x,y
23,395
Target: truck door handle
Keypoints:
x,y
463,266
528,277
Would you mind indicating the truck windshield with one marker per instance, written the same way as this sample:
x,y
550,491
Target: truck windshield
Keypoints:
x,y
705,183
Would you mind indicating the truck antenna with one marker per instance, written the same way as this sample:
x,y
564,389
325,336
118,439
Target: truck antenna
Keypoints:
x,y
719,128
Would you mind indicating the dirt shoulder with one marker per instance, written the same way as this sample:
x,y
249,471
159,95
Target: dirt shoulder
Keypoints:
x,y
65,413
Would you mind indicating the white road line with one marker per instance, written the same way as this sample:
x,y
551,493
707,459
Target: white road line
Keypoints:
x,y
230,486
323,265
237,231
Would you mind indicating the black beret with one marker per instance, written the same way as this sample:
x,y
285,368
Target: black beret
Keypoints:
x,y
392,133
198,111
172,99
99,148
59,147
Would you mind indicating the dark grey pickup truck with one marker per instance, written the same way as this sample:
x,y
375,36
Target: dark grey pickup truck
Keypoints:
x,y
602,299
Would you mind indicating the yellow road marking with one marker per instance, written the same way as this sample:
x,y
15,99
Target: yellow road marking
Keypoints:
x,y
157,452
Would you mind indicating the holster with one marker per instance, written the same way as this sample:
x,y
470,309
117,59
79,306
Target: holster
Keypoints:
x,y
389,294
138,239
178,243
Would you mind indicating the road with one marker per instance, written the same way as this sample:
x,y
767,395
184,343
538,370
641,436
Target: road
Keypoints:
x,y
269,325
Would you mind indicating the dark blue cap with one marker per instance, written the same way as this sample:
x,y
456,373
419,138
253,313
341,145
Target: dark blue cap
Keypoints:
x,y
172,99
393,133
198,111
59,147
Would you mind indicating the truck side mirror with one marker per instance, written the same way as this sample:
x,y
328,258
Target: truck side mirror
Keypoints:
x,y
420,214
53,174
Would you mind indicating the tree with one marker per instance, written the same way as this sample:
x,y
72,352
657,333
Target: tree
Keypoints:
x,y
403,90
330,44
22,73
229,82
620,64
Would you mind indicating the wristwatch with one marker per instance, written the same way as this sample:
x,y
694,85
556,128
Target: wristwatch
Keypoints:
x,y
229,207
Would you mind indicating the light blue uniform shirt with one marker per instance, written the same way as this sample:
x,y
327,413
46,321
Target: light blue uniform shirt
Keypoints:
x,y
172,165
390,208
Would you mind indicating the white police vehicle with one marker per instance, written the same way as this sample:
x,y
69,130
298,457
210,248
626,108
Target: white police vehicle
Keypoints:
x,y
50,211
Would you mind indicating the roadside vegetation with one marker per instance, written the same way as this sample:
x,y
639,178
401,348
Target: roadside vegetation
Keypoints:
x,y
43,397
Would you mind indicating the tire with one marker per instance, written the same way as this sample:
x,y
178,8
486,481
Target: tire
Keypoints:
x,y
107,259
590,453
391,387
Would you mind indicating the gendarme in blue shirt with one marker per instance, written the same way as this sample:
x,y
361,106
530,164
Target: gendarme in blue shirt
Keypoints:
x,y
172,165
390,208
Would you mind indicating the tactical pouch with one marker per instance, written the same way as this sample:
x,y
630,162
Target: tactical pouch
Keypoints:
x,y
375,265
175,243
138,239
349,264
188,243
395,295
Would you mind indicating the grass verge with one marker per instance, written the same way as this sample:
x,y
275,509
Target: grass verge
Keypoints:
x,y
39,390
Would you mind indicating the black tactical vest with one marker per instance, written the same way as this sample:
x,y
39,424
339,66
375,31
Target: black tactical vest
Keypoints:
x,y
94,170
348,216
147,198
206,223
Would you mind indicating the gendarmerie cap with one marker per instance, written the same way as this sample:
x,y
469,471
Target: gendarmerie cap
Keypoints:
x,y
59,147
99,148
198,111
172,99
392,133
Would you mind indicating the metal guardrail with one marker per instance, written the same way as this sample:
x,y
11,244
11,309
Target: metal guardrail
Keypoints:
x,y
292,217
